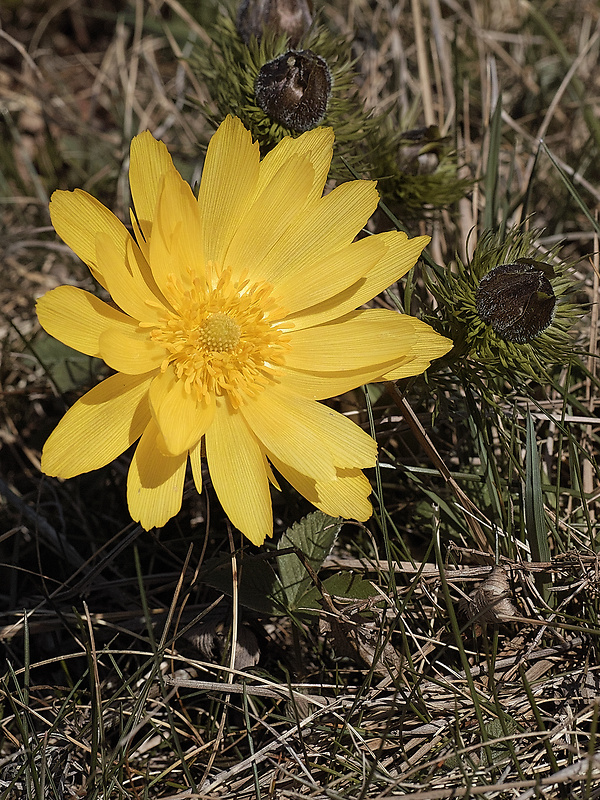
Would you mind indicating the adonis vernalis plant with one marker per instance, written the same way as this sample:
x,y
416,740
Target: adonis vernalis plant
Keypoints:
x,y
234,314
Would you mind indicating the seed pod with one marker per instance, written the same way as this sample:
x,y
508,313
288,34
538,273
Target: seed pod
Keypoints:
x,y
294,89
517,300
290,17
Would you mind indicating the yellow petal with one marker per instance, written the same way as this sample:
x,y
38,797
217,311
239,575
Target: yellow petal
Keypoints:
x,y
321,229
137,232
139,265
162,254
159,389
196,463
228,184
130,351
309,283
237,467
272,213
401,255
177,239
99,427
149,161
182,419
316,144
155,482
78,318
322,385
427,346
77,218
124,280
360,340
346,496
312,437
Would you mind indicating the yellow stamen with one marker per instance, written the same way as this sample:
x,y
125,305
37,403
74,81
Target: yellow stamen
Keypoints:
x,y
222,336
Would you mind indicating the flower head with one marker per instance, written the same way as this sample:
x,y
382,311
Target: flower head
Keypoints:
x,y
507,310
294,89
517,300
234,313
419,169
281,87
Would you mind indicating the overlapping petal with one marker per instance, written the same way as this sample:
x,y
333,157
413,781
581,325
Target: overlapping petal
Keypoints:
x,y
149,161
317,145
238,470
79,319
426,346
124,279
177,243
229,181
322,229
77,218
312,437
196,464
154,482
172,401
401,254
323,385
356,342
304,286
347,496
130,351
117,409
274,211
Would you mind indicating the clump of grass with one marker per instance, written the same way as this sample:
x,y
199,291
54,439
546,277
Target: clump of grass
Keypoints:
x,y
447,648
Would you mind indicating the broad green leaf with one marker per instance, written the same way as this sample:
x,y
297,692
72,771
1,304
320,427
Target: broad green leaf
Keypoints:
x,y
259,587
496,729
67,368
342,584
313,536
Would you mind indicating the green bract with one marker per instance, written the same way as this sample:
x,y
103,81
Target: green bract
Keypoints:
x,y
477,346
230,68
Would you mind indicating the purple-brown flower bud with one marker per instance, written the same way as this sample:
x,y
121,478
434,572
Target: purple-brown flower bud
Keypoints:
x,y
294,89
517,300
290,17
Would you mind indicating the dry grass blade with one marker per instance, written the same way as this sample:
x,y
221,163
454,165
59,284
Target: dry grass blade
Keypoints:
x,y
447,647
470,511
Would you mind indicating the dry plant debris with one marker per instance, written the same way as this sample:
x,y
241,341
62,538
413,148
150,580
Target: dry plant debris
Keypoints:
x,y
447,648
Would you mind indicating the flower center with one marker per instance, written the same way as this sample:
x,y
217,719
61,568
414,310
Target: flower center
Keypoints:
x,y
220,332
222,336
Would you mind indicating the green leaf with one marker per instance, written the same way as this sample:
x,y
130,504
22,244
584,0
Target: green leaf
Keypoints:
x,y
535,517
259,587
313,536
68,368
499,729
491,172
342,584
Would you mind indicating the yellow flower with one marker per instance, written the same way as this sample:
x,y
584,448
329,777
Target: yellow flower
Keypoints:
x,y
233,314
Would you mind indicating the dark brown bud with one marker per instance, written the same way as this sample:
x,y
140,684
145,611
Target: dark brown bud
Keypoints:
x,y
517,300
290,17
294,89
